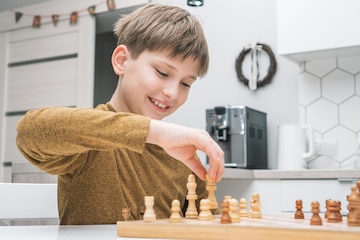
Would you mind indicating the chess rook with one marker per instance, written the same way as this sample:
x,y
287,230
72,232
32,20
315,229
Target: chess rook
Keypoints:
x,y
354,206
149,215
333,215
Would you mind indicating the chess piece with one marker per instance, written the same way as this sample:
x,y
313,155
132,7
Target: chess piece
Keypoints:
x,y
315,209
149,215
210,188
191,211
175,211
205,213
243,208
327,208
225,216
338,212
333,211
255,206
234,210
332,215
299,214
141,211
125,212
228,198
354,206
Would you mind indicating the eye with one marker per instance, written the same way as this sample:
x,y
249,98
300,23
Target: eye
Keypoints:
x,y
161,73
185,84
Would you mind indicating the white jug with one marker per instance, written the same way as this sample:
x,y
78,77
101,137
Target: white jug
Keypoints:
x,y
294,146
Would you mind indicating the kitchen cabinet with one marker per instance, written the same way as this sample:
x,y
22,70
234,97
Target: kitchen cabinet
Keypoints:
x,y
314,190
312,30
279,189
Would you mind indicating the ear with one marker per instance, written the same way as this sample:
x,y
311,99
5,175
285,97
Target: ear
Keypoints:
x,y
118,59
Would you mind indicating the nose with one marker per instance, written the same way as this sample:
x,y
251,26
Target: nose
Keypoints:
x,y
171,90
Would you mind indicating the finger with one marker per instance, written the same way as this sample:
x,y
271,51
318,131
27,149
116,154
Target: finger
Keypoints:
x,y
195,165
206,144
216,161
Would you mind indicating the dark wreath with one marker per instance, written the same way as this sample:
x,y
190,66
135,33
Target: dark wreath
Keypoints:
x,y
271,69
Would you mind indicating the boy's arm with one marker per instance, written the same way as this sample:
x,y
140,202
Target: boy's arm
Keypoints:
x,y
56,134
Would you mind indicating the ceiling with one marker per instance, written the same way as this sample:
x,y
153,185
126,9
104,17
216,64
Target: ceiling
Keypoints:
x,y
11,4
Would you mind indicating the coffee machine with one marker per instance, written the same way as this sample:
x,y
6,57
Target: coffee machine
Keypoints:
x,y
241,133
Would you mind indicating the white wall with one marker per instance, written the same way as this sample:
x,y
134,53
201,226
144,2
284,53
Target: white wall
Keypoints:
x,y
21,42
229,26
329,100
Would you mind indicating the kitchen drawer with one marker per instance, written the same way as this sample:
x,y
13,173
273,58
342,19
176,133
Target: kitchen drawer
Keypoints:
x,y
314,190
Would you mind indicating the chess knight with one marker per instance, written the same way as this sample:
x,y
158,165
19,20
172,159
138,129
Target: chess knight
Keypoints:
x,y
255,206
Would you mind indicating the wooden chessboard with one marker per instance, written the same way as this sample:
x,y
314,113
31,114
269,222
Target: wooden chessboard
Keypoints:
x,y
267,227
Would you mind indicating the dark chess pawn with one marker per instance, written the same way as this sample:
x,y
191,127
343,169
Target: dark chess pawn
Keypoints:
x,y
125,214
299,214
225,216
315,209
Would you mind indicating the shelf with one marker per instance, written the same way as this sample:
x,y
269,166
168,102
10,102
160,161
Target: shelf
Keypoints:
x,y
341,175
323,54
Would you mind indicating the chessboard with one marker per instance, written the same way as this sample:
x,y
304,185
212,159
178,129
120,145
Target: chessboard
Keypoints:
x,y
268,227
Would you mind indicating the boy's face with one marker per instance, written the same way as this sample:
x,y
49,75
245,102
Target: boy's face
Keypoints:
x,y
155,84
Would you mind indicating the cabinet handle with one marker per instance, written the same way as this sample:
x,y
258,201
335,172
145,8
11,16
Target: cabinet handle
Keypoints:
x,y
347,180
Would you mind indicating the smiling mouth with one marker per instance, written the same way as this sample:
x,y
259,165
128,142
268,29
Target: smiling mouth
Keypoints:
x,y
158,104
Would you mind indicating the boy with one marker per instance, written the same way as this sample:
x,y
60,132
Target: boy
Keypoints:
x,y
110,157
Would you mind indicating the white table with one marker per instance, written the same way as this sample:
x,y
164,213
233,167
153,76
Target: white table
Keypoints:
x,y
63,232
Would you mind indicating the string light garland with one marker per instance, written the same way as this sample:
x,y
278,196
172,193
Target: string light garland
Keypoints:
x,y
73,16
271,70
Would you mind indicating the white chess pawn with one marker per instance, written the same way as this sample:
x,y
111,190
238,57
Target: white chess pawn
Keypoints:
x,y
175,211
243,208
205,213
149,215
234,210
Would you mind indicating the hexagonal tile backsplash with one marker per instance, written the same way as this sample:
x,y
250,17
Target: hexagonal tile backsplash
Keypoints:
x,y
329,100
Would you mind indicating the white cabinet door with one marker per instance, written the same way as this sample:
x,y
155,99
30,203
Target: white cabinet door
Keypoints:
x,y
309,29
314,190
269,190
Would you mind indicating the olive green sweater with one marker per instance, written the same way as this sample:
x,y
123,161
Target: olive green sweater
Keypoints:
x,y
102,162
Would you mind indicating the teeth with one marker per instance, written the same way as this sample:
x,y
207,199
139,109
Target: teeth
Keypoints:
x,y
160,105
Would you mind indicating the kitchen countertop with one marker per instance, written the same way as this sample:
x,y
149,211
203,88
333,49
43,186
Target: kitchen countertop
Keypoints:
x,y
254,174
55,232
257,174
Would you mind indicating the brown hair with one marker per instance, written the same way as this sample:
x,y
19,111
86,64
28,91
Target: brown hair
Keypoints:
x,y
154,27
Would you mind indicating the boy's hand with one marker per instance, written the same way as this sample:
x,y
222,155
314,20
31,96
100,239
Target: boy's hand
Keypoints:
x,y
182,143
